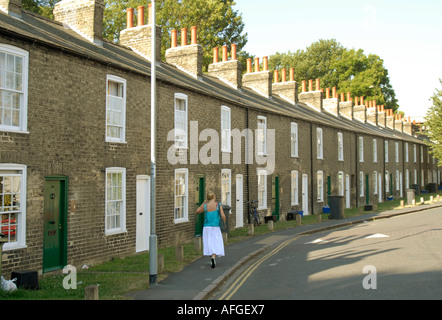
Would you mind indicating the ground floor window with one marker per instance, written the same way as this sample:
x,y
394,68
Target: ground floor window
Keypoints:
x,y
181,195
115,200
13,204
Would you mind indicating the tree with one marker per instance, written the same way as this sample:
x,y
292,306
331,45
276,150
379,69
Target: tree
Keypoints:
x,y
217,22
433,121
348,70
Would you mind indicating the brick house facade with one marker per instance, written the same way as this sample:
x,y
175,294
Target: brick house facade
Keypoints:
x,y
75,128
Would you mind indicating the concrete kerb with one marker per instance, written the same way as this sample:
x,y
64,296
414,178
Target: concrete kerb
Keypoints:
x,y
205,293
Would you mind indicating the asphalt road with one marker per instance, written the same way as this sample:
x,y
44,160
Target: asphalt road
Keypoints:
x,y
395,258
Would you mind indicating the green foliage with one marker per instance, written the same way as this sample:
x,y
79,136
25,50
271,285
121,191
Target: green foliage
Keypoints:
x,y
348,70
433,120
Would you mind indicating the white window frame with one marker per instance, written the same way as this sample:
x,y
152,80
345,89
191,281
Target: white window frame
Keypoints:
x,y
226,127
406,151
319,144
122,125
341,183
226,187
386,150
23,93
294,188
185,208
414,153
407,179
396,152
397,180
294,139
181,136
422,154
108,230
262,188
375,151
340,146
8,169
320,186
261,135
361,149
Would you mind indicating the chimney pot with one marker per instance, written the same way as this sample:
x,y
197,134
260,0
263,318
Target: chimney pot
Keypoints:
x,y
356,101
215,55
284,75
327,93
173,41
193,35
348,96
362,101
130,18
303,86
184,37
276,76
224,53
292,74
310,85
317,85
342,96
234,51
265,62
140,10
149,13
256,64
249,65
334,95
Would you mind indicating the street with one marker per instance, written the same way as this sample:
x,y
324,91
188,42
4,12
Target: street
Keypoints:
x,y
394,258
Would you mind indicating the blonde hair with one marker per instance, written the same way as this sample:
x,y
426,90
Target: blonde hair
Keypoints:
x,y
210,195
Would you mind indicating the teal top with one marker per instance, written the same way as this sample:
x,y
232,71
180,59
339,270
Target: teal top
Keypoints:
x,y
211,218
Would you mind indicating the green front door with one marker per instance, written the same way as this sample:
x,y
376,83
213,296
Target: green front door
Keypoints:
x,y
367,189
199,199
55,213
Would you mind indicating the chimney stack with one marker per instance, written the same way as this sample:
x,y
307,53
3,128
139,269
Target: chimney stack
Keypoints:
x,y
312,98
288,90
139,38
85,17
227,70
188,58
331,104
389,122
11,7
260,81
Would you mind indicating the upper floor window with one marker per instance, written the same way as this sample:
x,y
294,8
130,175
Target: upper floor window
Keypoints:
x,y
262,135
375,150
361,149
13,88
396,152
115,109
340,146
406,152
414,153
319,144
181,132
225,129
386,151
294,139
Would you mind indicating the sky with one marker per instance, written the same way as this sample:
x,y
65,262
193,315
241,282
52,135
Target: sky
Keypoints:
x,y
405,34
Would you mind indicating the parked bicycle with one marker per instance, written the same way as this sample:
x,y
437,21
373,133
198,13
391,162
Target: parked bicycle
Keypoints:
x,y
253,213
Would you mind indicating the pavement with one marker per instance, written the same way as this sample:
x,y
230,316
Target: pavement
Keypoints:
x,y
197,281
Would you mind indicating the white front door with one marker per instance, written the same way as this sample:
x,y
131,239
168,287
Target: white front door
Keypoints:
x,y
347,191
143,213
239,201
380,194
305,194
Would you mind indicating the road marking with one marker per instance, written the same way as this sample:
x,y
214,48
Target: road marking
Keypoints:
x,y
243,277
315,241
377,235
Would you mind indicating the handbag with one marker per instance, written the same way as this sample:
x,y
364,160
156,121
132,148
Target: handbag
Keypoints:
x,y
222,223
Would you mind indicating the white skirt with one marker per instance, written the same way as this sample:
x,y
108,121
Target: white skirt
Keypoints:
x,y
213,241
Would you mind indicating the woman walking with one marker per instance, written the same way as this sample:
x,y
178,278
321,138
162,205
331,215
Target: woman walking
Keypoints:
x,y
212,238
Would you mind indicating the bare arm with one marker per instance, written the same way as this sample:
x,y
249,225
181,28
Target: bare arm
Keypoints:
x,y
223,216
201,208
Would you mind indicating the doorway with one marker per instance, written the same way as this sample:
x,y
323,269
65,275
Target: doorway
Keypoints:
x,y
239,201
143,213
275,196
55,223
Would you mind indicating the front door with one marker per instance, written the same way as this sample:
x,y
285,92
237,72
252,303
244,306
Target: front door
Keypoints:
x,y
239,201
275,196
143,213
305,194
55,224
200,192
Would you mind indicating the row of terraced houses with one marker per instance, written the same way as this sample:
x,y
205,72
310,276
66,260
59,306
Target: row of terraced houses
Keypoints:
x,y
75,139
